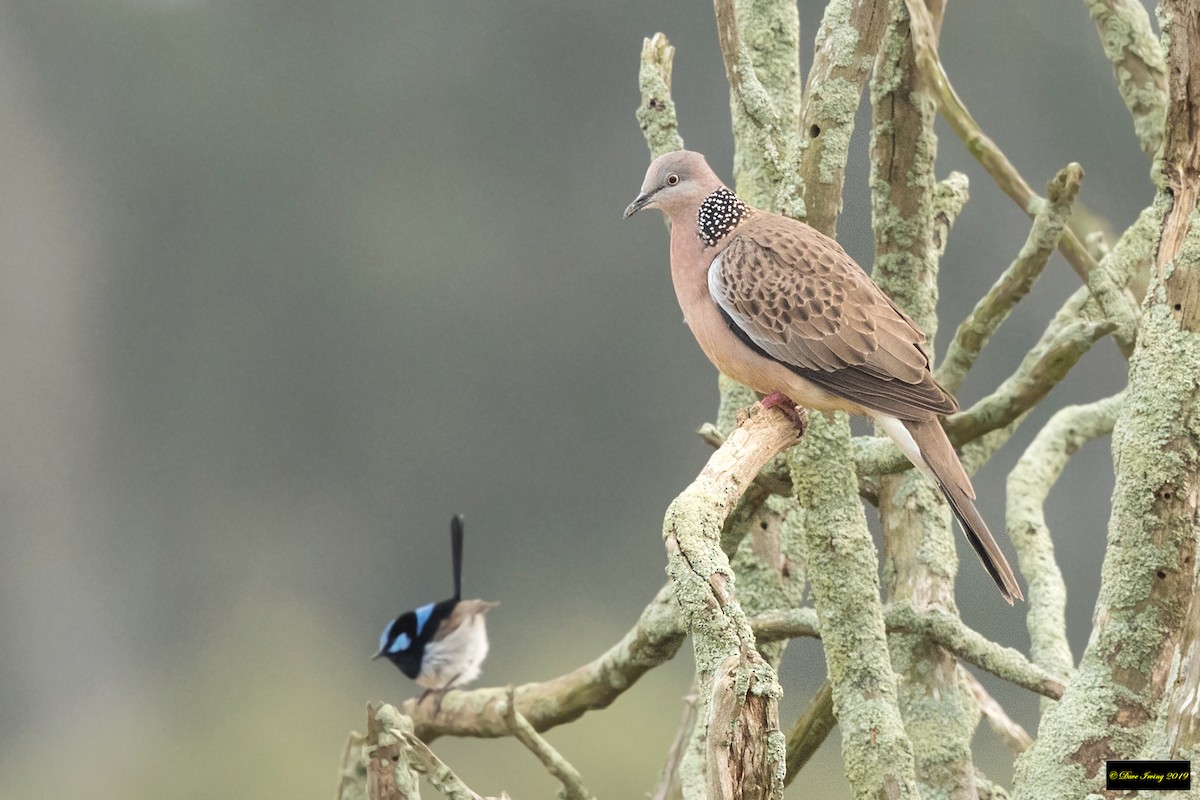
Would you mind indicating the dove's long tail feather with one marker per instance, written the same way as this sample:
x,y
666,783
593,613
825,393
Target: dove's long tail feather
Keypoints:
x,y
926,445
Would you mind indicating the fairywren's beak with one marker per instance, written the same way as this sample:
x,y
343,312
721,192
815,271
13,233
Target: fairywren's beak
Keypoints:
x,y
377,655
638,204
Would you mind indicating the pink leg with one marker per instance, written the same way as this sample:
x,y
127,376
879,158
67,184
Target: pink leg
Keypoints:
x,y
798,416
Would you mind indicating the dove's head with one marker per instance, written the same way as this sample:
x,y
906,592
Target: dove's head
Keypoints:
x,y
676,183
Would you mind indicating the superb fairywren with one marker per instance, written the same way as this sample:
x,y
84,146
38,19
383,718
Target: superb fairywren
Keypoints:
x,y
440,645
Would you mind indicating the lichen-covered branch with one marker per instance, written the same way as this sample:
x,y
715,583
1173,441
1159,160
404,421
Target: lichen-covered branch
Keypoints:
x,y
552,760
1009,731
1040,371
939,627
973,647
747,89
1149,579
843,571
1117,305
810,730
976,330
392,758
763,132
920,560
988,789
1028,486
846,46
656,112
1062,344
739,720
655,639
768,39
1137,58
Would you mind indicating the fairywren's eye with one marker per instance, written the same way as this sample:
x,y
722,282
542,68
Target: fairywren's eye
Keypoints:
x,y
672,179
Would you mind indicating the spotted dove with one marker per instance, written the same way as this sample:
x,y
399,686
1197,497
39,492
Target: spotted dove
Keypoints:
x,y
780,307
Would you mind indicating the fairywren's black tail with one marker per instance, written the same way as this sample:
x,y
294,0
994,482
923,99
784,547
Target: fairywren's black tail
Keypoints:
x,y
456,551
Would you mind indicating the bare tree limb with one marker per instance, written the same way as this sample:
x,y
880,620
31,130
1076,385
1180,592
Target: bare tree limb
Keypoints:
x,y
1138,62
846,45
810,731
1011,733
552,760
1181,161
656,112
1029,483
1115,302
1181,722
976,330
669,777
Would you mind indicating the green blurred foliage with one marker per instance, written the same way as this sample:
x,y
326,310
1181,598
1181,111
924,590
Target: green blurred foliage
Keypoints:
x,y
286,284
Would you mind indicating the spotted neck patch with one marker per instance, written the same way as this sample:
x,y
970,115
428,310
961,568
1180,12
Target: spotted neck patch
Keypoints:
x,y
720,213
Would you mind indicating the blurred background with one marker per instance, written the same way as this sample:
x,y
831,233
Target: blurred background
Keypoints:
x,y
283,285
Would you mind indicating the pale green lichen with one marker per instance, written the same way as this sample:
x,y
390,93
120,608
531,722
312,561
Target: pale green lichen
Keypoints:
x,y
1028,486
910,229
838,36
1156,451
656,112
1014,283
845,589
839,99
1139,64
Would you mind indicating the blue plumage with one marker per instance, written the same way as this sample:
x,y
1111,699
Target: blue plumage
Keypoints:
x,y
440,645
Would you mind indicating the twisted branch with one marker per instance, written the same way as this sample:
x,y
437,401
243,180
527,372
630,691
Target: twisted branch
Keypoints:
x,y
1029,483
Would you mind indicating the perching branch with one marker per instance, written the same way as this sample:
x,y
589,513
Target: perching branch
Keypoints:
x,y
740,715
655,639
